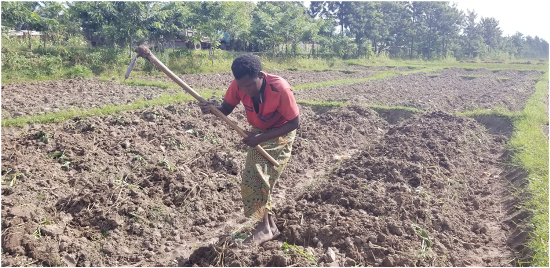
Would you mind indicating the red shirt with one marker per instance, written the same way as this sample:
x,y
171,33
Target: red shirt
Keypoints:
x,y
278,105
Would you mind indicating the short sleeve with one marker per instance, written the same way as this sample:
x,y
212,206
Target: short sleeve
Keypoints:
x,y
287,105
232,94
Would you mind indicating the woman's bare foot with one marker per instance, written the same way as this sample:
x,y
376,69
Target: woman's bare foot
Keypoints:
x,y
265,231
273,226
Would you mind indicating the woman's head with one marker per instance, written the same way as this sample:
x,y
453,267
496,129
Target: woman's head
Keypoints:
x,y
247,70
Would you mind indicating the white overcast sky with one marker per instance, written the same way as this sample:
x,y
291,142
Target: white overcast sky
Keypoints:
x,y
530,17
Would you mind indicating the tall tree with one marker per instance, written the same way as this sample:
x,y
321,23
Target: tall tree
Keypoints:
x,y
491,32
472,36
450,20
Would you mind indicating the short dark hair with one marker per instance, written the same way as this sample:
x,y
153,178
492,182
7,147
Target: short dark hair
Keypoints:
x,y
246,64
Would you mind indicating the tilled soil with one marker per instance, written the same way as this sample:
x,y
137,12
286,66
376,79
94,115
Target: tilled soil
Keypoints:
x,y
429,193
220,81
449,90
53,96
29,98
161,187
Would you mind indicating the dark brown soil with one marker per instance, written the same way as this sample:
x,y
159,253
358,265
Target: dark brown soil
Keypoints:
x,y
53,96
450,90
161,187
20,99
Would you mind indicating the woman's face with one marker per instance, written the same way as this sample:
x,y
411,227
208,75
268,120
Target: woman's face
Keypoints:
x,y
250,86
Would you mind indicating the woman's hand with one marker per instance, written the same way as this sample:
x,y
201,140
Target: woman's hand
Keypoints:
x,y
253,139
205,106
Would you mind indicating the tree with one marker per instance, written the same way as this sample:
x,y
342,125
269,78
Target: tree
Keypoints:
x,y
491,32
472,36
450,20
519,43
365,22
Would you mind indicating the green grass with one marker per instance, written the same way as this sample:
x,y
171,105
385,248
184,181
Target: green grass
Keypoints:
x,y
530,147
497,111
163,99
150,83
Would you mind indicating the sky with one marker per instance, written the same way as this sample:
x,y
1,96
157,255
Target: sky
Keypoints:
x,y
529,17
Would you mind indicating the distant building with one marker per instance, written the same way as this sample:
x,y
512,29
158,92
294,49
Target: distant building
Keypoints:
x,y
25,34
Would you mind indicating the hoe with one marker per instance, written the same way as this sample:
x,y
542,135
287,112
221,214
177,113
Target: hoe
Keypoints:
x,y
145,53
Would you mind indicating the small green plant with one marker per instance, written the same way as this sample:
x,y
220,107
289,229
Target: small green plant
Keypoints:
x,y
62,159
167,165
43,136
124,183
210,137
38,232
288,249
176,143
192,132
104,233
66,166
426,241
119,121
11,177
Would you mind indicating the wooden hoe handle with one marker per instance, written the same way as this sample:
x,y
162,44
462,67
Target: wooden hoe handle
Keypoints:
x,y
144,52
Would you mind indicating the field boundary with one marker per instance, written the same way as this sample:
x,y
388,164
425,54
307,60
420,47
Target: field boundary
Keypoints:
x,y
530,147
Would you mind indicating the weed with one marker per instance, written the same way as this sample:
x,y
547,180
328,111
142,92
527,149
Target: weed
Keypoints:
x,y
164,163
288,249
104,233
423,193
426,241
124,183
192,132
42,136
41,196
38,232
210,137
175,142
119,121
12,177
66,166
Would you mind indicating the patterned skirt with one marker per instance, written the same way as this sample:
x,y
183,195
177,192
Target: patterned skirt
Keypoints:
x,y
259,175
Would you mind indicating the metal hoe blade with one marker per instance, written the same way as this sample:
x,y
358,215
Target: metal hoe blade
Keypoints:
x,y
130,67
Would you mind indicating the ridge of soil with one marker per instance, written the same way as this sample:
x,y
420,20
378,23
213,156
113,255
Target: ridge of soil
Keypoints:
x,y
52,96
179,204
448,91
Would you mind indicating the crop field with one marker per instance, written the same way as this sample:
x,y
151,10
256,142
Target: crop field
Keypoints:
x,y
392,166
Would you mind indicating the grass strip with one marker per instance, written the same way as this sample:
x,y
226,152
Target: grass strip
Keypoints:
x,y
530,147
381,75
56,117
496,111
150,83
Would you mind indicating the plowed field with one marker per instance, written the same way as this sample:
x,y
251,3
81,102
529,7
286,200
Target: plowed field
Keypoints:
x,y
161,186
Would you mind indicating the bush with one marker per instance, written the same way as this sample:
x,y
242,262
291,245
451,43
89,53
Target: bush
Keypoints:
x,y
78,71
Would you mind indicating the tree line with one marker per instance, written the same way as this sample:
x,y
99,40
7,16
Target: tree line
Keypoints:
x,y
347,29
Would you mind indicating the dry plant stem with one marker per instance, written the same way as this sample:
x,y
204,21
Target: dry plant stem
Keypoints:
x,y
144,52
